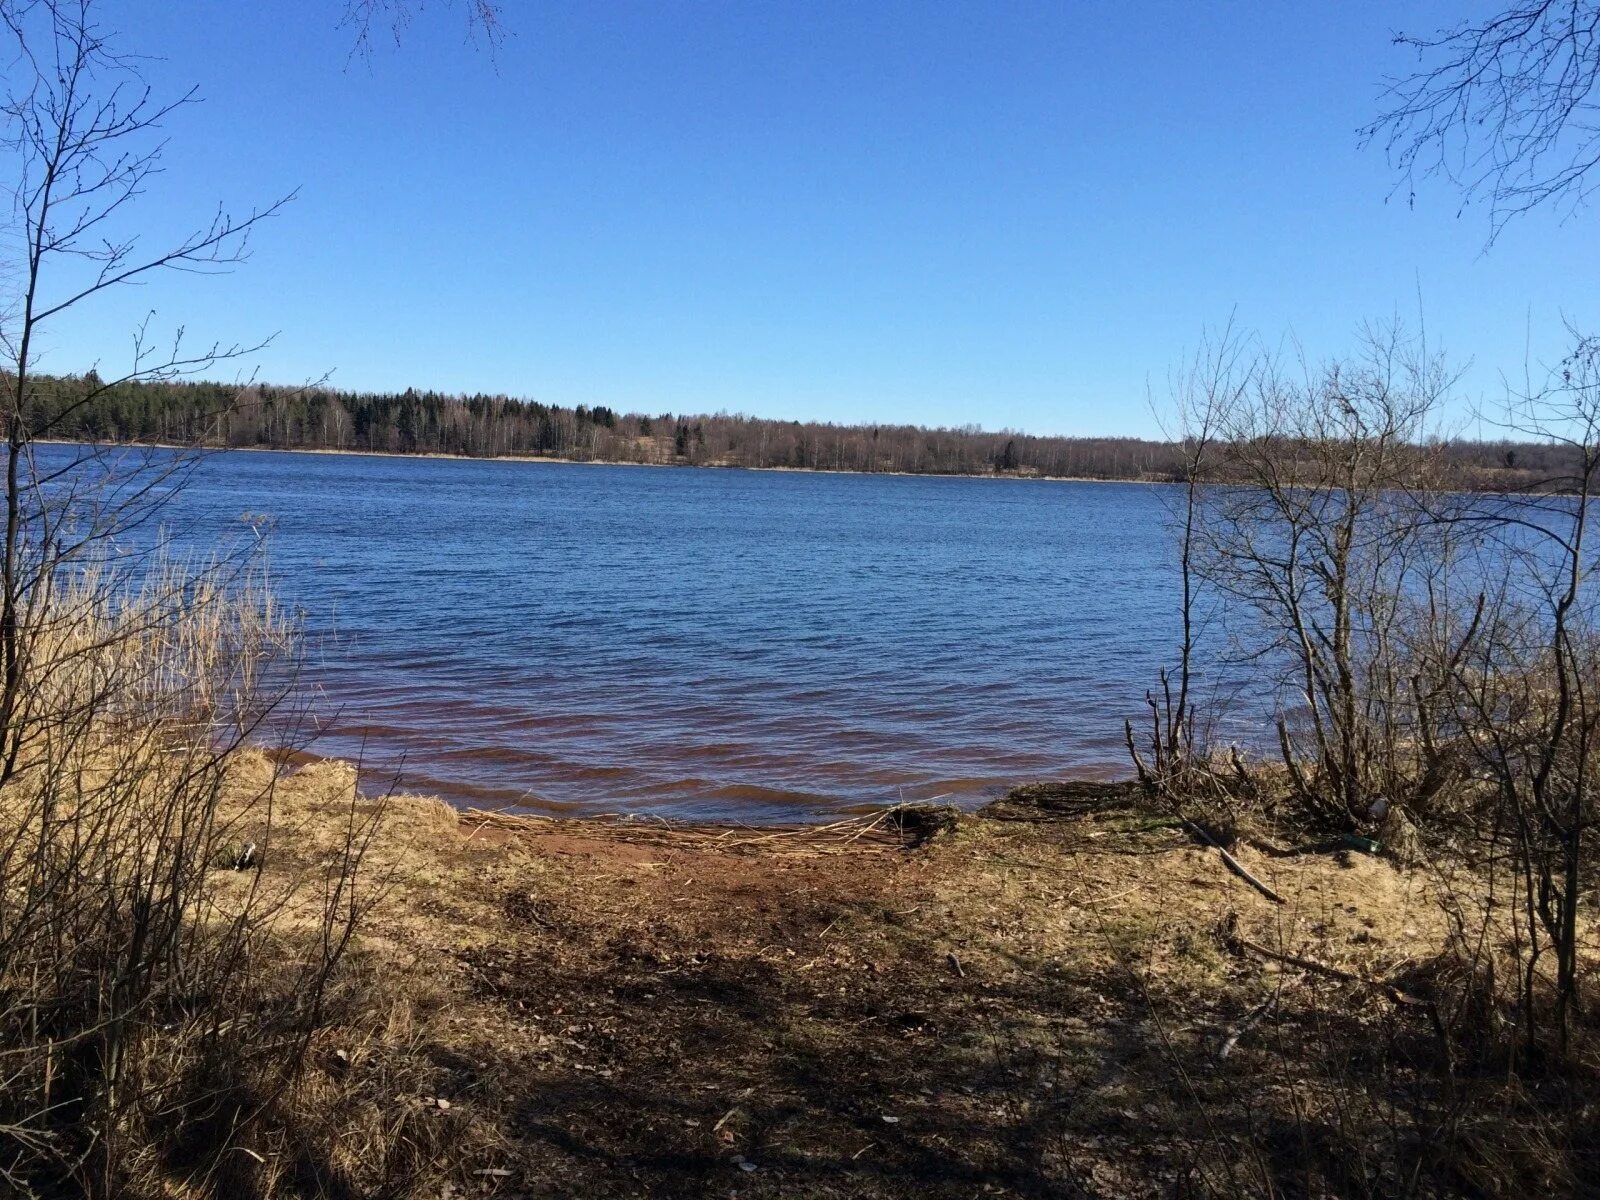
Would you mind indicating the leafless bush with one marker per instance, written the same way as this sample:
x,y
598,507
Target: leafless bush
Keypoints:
x,y
1310,532
1435,656
148,990
1527,699
1319,545
1175,758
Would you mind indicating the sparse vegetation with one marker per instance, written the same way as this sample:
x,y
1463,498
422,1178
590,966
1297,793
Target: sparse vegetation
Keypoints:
x,y
1065,994
158,996
1432,657
1360,967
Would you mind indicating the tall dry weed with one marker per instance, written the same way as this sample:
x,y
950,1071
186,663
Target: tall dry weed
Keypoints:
x,y
158,994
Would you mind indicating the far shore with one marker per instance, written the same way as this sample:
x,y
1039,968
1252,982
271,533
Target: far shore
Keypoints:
x,y
590,462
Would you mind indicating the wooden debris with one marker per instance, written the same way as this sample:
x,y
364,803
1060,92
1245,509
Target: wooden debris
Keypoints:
x,y
880,831
1244,1026
1233,864
1404,999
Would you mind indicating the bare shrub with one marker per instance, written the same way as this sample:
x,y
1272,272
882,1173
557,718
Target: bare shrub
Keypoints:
x,y
152,997
1317,548
1527,695
157,994
1172,757
1435,656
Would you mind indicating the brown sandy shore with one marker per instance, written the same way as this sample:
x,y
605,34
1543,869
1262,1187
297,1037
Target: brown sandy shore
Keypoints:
x,y
1033,1001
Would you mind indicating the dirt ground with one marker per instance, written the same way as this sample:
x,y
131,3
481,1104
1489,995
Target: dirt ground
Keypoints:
x,y
1059,995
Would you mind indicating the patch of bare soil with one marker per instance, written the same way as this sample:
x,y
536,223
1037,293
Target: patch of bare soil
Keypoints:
x,y
1056,996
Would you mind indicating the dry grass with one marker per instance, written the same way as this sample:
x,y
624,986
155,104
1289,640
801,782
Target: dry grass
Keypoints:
x,y
1034,1003
154,1007
1065,994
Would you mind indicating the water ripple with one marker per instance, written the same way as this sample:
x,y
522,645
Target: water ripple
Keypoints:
x,y
712,644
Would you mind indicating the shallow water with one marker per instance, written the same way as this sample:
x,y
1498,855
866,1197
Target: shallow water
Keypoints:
x,y
705,643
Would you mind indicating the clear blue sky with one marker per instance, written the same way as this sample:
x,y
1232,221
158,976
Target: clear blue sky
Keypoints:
x,y
1013,214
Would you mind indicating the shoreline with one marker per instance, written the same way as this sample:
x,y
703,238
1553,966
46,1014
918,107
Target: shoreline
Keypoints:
x,y
868,1009
589,462
965,803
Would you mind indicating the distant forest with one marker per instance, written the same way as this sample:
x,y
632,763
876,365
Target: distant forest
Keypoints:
x,y
479,426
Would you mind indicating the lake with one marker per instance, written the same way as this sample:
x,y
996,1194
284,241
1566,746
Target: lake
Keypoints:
x,y
702,643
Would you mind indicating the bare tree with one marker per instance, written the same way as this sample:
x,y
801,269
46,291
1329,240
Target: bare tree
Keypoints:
x,y
81,136
1316,541
1530,710
1502,108
366,19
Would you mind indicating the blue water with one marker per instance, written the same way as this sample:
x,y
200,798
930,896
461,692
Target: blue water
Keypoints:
x,y
704,643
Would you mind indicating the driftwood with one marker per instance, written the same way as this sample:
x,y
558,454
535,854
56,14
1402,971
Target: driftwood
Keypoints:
x,y
1404,999
1233,863
889,829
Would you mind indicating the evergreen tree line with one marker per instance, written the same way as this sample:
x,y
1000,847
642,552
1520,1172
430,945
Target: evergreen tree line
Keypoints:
x,y
84,408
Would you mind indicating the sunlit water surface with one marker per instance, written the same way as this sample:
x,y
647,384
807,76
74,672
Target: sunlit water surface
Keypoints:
x,y
704,643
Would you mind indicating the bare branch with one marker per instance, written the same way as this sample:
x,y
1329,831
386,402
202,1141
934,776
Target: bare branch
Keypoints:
x,y
1504,109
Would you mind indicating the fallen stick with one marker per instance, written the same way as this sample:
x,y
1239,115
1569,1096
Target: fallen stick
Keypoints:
x,y
1316,968
1244,1026
1233,863
1305,964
